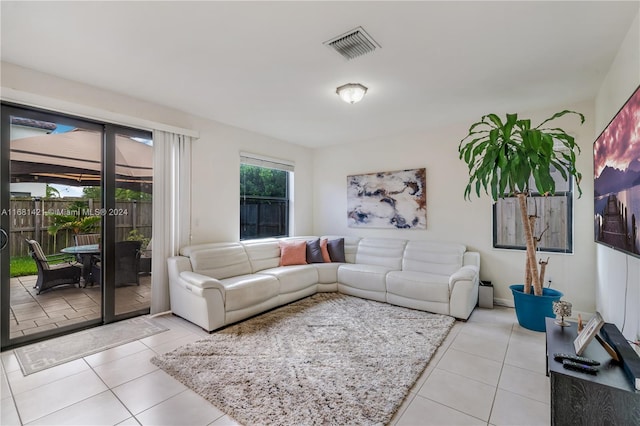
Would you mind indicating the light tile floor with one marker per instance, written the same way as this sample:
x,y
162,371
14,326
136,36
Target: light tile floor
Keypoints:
x,y
489,371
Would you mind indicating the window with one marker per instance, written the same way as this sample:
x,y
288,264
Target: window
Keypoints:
x,y
264,197
555,220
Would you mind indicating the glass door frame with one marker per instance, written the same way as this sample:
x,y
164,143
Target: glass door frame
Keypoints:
x,y
108,225
108,229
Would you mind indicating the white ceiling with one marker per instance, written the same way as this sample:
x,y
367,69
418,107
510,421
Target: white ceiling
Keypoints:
x,y
262,66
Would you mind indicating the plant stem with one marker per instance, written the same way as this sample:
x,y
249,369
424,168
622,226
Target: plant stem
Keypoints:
x,y
531,250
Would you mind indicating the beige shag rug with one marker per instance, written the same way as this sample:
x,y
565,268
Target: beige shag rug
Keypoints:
x,y
329,359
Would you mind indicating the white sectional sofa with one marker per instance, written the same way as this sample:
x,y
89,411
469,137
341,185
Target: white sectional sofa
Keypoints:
x,y
213,285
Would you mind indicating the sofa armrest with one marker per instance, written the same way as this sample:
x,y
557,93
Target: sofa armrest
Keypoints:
x,y
201,281
463,288
471,258
466,273
197,283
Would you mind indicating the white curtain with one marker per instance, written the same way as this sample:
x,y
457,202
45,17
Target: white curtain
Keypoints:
x,y
171,209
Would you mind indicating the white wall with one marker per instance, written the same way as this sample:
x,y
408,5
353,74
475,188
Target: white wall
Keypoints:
x,y
216,177
449,216
618,275
216,154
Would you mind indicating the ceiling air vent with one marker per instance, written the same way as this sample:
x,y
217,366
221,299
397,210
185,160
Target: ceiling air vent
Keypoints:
x,y
353,43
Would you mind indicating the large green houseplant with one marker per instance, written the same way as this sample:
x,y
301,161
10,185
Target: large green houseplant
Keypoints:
x,y
504,156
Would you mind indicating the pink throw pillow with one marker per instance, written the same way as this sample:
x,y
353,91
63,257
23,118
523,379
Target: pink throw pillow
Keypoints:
x,y
324,250
293,253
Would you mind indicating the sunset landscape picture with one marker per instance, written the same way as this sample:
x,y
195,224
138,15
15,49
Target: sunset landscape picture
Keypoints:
x,y
616,160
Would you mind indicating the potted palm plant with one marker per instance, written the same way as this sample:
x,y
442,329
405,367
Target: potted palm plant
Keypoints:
x,y
504,157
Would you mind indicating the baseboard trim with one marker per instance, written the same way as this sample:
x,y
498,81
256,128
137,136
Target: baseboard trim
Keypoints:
x,y
503,302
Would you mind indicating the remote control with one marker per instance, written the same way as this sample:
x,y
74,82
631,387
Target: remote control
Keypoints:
x,y
579,367
575,358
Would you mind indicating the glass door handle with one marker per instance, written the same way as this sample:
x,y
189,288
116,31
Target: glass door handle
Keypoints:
x,y
4,239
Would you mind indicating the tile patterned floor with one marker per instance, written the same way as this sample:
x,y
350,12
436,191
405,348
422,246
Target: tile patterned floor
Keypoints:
x,y
489,371
66,305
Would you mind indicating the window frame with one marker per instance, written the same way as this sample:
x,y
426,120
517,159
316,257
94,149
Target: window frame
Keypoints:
x,y
285,202
564,189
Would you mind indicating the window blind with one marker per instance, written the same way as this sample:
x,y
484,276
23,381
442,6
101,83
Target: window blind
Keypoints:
x,y
262,161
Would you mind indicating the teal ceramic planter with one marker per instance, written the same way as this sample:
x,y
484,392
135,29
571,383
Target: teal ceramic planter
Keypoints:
x,y
532,310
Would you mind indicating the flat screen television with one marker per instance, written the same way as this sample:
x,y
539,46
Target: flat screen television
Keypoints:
x,y
616,172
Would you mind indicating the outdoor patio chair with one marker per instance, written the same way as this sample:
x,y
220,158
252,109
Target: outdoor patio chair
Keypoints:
x,y
145,259
52,275
86,239
127,263
88,260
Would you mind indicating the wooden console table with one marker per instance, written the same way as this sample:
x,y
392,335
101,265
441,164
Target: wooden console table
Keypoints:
x,y
585,399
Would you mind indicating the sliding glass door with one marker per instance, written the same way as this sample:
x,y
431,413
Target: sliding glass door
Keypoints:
x,y
75,220
127,221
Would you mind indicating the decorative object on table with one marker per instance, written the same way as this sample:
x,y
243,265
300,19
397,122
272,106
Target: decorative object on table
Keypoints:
x,y
314,361
509,158
607,347
396,199
580,324
562,308
588,333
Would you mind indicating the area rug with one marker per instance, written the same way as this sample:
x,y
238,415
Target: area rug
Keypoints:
x,y
56,351
326,359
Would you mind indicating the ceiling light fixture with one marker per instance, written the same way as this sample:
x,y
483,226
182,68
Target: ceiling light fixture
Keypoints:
x,y
352,92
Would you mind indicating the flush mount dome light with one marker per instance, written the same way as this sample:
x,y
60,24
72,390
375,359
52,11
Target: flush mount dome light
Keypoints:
x,y
352,92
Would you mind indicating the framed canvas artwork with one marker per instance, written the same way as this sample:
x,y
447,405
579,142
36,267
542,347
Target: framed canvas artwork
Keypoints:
x,y
396,199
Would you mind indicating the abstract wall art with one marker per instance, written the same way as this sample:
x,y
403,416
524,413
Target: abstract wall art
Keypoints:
x,y
396,199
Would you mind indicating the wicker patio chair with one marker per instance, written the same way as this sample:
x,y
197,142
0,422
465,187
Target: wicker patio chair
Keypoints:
x,y
88,260
127,263
86,239
52,275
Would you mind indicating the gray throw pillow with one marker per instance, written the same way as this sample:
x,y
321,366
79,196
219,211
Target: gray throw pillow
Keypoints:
x,y
336,250
314,252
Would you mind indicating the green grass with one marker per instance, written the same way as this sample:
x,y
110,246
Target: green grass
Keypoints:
x,y
21,266
25,265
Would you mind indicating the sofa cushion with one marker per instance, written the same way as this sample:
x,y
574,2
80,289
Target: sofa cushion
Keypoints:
x,y
293,278
314,252
350,246
419,285
365,277
263,253
433,257
247,290
220,260
324,250
336,250
327,272
293,253
385,252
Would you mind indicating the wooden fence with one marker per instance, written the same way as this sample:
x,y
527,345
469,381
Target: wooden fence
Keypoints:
x,y
263,217
30,219
552,212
